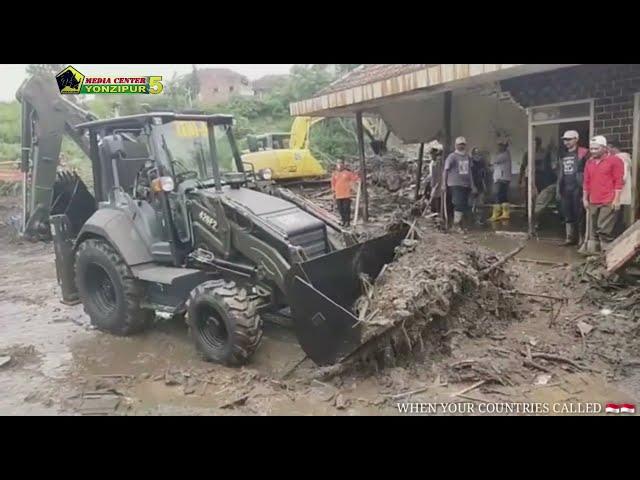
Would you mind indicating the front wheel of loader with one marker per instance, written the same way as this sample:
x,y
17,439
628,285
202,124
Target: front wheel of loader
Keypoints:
x,y
109,293
224,322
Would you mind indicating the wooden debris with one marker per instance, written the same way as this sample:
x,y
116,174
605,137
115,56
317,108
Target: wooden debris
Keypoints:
x,y
557,358
499,263
624,249
236,402
293,368
541,295
532,364
542,262
419,390
468,389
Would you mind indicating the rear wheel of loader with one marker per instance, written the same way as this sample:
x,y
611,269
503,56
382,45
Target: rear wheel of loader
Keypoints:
x,y
224,322
109,293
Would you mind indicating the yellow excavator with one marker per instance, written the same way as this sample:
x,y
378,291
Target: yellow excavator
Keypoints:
x,y
285,157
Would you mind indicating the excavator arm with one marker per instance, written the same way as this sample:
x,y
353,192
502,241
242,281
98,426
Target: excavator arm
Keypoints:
x,y
46,117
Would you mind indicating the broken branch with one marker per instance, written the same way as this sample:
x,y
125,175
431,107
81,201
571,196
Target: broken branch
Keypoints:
x,y
468,389
556,358
499,263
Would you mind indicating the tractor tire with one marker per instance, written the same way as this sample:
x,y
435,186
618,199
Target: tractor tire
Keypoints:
x,y
109,293
223,322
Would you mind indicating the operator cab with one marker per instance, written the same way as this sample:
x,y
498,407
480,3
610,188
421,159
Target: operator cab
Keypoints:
x,y
145,164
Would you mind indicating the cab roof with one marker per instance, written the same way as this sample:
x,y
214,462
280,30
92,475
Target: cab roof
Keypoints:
x,y
139,120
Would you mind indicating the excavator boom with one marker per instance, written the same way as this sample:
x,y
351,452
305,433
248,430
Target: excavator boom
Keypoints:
x,y
46,117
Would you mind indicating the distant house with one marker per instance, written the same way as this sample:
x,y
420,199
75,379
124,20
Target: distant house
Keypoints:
x,y
218,85
266,84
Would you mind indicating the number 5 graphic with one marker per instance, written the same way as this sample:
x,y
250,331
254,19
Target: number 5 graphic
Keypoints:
x,y
155,85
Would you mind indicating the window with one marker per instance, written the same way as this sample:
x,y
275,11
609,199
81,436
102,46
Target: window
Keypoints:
x,y
561,112
216,90
231,88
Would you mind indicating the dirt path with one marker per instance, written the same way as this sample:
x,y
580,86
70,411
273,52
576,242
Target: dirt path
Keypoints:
x,y
58,364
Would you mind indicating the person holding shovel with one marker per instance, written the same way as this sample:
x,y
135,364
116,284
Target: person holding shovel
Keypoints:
x,y
603,183
342,182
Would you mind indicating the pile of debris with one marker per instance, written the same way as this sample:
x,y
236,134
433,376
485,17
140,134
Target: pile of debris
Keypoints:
x,y
614,329
433,287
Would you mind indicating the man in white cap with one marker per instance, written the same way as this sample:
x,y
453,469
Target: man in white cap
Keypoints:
x,y
603,182
458,178
569,188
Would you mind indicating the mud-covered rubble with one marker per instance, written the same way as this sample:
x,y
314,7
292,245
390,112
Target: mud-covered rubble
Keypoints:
x,y
434,288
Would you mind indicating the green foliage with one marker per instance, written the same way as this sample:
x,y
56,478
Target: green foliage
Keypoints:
x,y
9,123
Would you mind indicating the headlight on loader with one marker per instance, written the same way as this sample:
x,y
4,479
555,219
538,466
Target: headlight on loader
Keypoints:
x,y
163,184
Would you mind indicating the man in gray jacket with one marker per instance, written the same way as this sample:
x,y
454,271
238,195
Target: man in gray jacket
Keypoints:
x,y
458,178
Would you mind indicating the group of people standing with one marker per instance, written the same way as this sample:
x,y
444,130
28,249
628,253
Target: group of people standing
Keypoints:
x,y
467,180
594,182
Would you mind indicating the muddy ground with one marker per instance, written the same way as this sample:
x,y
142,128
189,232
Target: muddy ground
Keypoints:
x,y
53,362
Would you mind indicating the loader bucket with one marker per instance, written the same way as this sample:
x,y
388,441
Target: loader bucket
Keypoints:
x,y
321,293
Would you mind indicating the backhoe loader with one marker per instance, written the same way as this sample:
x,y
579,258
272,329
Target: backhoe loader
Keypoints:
x,y
177,223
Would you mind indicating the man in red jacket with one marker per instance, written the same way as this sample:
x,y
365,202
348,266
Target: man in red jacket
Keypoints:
x,y
603,182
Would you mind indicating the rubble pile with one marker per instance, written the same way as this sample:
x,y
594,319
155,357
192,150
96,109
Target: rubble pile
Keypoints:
x,y
391,171
613,329
434,286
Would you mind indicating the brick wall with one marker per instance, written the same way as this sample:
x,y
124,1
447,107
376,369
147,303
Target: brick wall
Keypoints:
x,y
611,85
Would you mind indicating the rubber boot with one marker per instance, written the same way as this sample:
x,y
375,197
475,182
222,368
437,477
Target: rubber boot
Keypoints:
x,y
497,211
570,238
506,214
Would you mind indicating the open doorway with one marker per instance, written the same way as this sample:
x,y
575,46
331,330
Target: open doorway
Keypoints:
x,y
549,221
547,125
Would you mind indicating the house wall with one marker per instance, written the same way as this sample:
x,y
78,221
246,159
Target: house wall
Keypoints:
x,y
612,86
216,89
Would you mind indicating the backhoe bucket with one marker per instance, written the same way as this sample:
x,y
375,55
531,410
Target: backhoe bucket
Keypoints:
x,y
72,198
322,292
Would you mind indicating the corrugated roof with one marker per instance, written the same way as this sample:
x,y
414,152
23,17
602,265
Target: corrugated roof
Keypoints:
x,y
372,72
372,85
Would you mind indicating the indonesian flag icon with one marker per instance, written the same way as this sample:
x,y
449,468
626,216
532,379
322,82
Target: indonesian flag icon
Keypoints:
x,y
620,408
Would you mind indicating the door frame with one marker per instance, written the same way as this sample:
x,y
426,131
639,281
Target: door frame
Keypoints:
x,y
531,143
635,161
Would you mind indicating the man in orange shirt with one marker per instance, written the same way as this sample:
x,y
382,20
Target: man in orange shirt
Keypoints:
x,y
342,183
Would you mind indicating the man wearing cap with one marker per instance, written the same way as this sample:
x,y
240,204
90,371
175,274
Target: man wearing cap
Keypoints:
x,y
569,186
603,182
502,179
458,178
